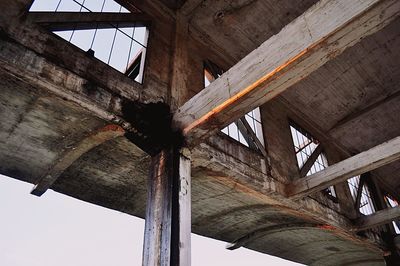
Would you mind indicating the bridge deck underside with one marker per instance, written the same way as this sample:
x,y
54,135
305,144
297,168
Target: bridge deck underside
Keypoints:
x,y
37,127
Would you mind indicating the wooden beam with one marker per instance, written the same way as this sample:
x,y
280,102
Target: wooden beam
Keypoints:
x,y
378,218
59,21
253,136
184,208
168,210
319,35
359,192
242,129
310,162
361,163
71,155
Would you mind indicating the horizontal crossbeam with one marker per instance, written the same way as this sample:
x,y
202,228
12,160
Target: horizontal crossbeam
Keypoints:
x,y
60,21
358,164
378,218
319,35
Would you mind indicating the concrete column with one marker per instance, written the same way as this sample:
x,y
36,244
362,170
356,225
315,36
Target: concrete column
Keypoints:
x,y
168,210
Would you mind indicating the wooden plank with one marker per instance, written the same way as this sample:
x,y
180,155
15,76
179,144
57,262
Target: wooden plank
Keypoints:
x,y
361,163
168,210
378,218
320,34
310,162
74,153
59,21
180,76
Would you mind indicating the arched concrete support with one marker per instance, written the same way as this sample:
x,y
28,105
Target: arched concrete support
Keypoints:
x,y
266,230
71,155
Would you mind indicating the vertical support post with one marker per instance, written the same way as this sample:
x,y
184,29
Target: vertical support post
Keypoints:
x,y
168,210
393,256
183,209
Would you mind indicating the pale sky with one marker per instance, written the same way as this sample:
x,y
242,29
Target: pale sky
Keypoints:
x,y
59,230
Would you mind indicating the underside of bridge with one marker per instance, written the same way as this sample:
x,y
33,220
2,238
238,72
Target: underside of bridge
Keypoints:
x,y
316,181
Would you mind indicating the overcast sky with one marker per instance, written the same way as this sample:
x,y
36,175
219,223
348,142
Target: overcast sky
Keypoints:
x,y
59,230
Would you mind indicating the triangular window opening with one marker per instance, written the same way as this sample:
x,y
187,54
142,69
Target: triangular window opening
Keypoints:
x,y
310,157
238,129
122,47
366,203
391,203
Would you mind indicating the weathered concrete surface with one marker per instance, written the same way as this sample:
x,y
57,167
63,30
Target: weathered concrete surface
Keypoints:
x,y
114,174
354,99
236,192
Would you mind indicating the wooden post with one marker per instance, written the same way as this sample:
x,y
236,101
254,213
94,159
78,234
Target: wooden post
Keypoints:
x,y
168,211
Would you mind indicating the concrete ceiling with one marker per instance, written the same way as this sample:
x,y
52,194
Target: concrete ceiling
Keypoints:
x,y
240,26
36,128
354,99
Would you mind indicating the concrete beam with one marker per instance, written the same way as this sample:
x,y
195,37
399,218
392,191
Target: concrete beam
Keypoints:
x,y
89,92
26,65
74,153
378,218
252,236
59,21
65,55
361,163
319,35
359,113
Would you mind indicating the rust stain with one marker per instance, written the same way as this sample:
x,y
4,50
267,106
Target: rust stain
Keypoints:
x,y
326,227
264,79
273,74
112,127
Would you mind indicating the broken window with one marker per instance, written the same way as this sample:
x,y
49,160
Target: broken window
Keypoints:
x,y
122,47
366,205
393,203
309,154
248,129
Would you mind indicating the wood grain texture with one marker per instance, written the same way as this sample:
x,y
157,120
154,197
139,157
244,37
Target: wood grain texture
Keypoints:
x,y
378,218
361,163
168,211
319,35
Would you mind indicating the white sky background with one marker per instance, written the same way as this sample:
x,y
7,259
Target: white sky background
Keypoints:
x,y
57,230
